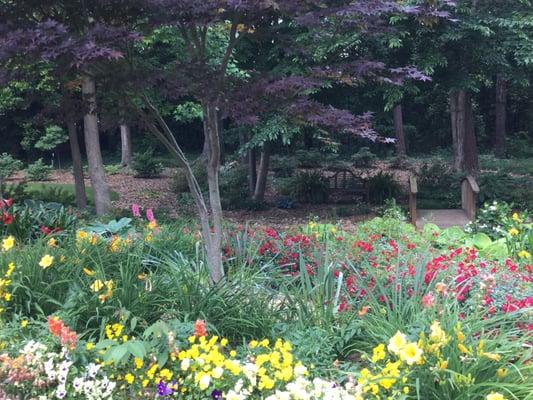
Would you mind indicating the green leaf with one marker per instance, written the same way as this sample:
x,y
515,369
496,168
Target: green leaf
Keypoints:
x,y
481,240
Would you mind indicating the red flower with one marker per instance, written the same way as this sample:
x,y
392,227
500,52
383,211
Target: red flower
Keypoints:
x,y
8,202
8,218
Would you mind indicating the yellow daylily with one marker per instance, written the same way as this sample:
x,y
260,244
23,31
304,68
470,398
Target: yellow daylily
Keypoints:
x,y
46,261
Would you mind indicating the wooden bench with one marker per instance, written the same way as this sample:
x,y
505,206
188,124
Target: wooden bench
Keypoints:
x,y
344,181
445,218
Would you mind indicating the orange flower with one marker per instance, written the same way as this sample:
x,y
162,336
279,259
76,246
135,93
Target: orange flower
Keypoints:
x,y
362,312
55,325
200,328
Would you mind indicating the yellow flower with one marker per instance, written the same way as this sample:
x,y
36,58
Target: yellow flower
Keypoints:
x,y
97,285
442,364
129,378
8,243
463,349
152,224
495,396
492,356
501,372
333,230
88,272
524,254
397,342
138,363
52,242
516,218
411,353
24,323
513,232
89,346
7,297
46,261
378,353
437,334
81,235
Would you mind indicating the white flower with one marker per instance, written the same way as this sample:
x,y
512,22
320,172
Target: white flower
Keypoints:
x,y
61,391
92,370
185,364
77,384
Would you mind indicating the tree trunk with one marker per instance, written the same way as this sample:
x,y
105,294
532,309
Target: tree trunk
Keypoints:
x,y
401,148
125,141
252,170
463,133
102,199
214,244
260,186
501,116
77,168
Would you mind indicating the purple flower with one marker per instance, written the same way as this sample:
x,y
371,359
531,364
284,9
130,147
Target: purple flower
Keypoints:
x,y
136,210
150,215
216,394
163,390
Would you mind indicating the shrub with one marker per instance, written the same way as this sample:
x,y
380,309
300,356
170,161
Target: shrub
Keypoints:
x,y
503,187
146,166
113,169
381,187
364,158
179,181
438,187
8,165
312,158
234,187
51,194
38,171
283,167
309,187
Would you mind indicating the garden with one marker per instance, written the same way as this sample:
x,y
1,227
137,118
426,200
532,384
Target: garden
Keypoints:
x,y
126,309
266,200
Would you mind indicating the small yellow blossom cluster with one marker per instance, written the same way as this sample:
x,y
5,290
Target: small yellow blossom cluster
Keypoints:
x,y
105,288
518,238
391,378
115,332
5,282
85,237
206,367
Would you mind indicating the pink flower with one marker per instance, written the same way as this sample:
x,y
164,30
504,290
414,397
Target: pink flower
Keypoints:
x,y
428,300
136,210
150,215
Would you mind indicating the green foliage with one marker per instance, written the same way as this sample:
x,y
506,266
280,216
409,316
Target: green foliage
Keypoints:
x,y
121,227
38,171
391,210
438,187
364,158
502,186
113,169
188,112
309,187
32,216
8,165
53,136
381,187
146,165
50,194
